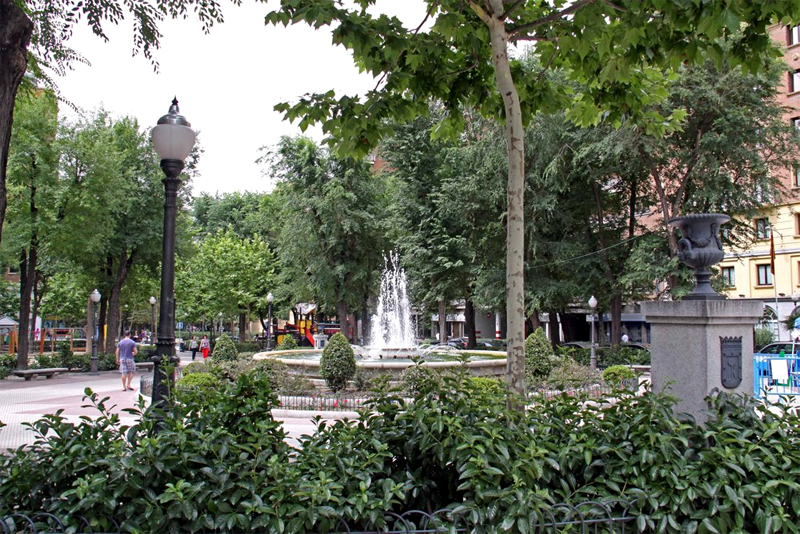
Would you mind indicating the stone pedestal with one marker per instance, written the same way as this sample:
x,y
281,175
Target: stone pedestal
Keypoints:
x,y
686,348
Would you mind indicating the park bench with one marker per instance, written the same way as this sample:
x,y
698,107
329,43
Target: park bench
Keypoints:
x,y
29,374
144,366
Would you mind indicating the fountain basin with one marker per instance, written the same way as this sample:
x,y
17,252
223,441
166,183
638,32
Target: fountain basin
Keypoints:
x,y
308,364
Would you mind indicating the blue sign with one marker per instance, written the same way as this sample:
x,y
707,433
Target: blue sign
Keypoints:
x,y
180,325
797,323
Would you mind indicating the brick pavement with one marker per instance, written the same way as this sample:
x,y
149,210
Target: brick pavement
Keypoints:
x,y
26,401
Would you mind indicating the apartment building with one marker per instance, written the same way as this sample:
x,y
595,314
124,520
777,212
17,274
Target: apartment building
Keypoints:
x,y
770,269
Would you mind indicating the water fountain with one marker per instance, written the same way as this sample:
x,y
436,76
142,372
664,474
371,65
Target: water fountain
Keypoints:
x,y
392,332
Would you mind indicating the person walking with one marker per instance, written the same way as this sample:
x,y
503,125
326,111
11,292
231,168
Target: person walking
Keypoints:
x,y
205,346
193,346
126,350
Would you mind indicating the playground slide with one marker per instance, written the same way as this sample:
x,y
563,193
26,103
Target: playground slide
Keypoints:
x,y
310,337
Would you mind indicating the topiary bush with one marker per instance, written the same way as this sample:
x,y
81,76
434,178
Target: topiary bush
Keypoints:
x,y
225,349
195,387
616,374
338,362
287,343
538,355
196,367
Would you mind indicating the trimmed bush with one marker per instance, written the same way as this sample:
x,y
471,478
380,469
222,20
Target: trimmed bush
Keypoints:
x,y
567,374
538,355
287,343
196,367
338,362
616,374
225,349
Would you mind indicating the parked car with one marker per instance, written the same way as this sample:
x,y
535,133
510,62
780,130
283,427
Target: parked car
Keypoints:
x,y
787,347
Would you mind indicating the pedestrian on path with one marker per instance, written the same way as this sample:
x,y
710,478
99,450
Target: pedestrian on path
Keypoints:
x,y
126,350
193,345
205,346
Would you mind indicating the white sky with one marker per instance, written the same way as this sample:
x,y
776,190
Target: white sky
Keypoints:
x,y
226,82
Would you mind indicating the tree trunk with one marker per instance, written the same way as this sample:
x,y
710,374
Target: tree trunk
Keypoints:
x,y
469,316
114,311
343,323
15,36
616,320
242,327
442,322
27,274
555,329
515,239
366,321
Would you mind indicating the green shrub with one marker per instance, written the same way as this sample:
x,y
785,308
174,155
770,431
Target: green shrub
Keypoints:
x,y
420,378
224,461
196,367
195,387
107,361
764,336
246,346
538,355
43,361
489,384
8,363
287,343
616,374
64,355
225,349
567,374
338,362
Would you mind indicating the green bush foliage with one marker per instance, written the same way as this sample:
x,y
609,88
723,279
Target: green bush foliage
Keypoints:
x,y
608,356
419,378
538,355
225,349
196,367
224,465
8,362
616,374
247,346
195,387
764,336
338,362
567,374
287,343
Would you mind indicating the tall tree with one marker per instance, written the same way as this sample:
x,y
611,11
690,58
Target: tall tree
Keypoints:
x,y
34,37
614,50
33,181
333,237
228,275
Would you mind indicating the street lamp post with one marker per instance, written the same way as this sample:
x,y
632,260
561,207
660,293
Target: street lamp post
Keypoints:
x,y
152,317
270,298
593,350
173,139
95,298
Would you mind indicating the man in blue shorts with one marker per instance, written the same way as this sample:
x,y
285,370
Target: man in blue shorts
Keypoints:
x,y
126,350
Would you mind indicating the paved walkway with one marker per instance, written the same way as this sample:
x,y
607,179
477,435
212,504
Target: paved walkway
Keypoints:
x,y
26,401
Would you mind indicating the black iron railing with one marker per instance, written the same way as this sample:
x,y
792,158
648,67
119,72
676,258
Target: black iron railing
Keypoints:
x,y
607,517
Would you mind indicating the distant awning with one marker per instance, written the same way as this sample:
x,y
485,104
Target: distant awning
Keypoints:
x,y
7,321
306,307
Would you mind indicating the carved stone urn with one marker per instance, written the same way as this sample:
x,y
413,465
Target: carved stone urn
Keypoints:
x,y
700,247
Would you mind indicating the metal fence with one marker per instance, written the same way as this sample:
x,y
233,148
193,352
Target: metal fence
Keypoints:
x,y
776,376
608,517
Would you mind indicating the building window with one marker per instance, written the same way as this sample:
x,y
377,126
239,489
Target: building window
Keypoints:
x,y
796,175
762,229
764,275
796,122
797,224
794,81
793,35
729,277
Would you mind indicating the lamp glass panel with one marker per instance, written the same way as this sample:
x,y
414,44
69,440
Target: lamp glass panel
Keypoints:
x,y
173,141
